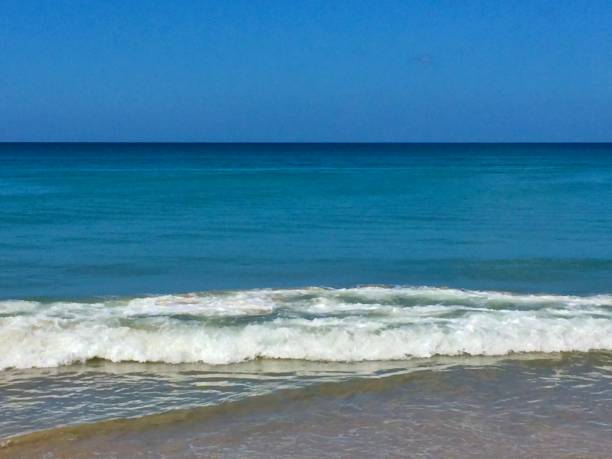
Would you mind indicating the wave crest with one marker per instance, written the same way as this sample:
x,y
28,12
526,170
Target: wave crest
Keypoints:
x,y
365,323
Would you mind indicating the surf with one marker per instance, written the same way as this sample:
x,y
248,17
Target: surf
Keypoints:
x,y
369,323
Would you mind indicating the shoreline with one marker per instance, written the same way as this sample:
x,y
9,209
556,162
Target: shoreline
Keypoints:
x,y
492,406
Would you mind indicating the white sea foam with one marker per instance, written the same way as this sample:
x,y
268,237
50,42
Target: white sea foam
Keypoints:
x,y
366,323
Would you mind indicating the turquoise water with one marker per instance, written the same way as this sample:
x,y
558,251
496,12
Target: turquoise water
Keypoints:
x,y
85,220
139,279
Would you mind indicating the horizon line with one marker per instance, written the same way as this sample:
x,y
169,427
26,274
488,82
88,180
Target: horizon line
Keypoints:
x,y
172,142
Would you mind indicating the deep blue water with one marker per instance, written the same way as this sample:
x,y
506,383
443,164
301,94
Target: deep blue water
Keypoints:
x,y
81,220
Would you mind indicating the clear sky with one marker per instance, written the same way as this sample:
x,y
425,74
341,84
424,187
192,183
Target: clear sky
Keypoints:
x,y
231,70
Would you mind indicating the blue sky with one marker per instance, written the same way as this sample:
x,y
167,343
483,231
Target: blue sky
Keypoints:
x,y
305,71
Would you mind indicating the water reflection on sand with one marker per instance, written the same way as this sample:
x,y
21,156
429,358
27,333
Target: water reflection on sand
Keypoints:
x,y
535,406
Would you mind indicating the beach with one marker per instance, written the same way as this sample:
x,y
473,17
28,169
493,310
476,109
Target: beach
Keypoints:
x,y
538,406
305,300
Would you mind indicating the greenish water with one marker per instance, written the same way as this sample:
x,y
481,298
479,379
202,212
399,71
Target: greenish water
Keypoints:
x,y
537,406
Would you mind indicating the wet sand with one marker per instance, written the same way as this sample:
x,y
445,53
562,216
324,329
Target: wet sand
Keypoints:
x,y
543,408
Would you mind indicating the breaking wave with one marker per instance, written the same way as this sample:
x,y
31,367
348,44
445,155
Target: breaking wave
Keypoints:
x,y
319,324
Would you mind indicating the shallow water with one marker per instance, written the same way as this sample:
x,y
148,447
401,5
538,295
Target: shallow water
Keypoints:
x,y
546,406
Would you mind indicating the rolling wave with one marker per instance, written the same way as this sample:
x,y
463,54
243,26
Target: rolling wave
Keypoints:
x,y
318,324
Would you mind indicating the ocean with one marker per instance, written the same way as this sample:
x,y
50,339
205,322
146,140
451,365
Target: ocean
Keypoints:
x,y
256,300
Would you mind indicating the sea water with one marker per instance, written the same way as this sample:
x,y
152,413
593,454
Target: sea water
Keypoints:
x,y
137,279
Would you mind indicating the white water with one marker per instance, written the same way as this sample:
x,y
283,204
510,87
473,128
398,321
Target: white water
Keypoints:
x,y
366,323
